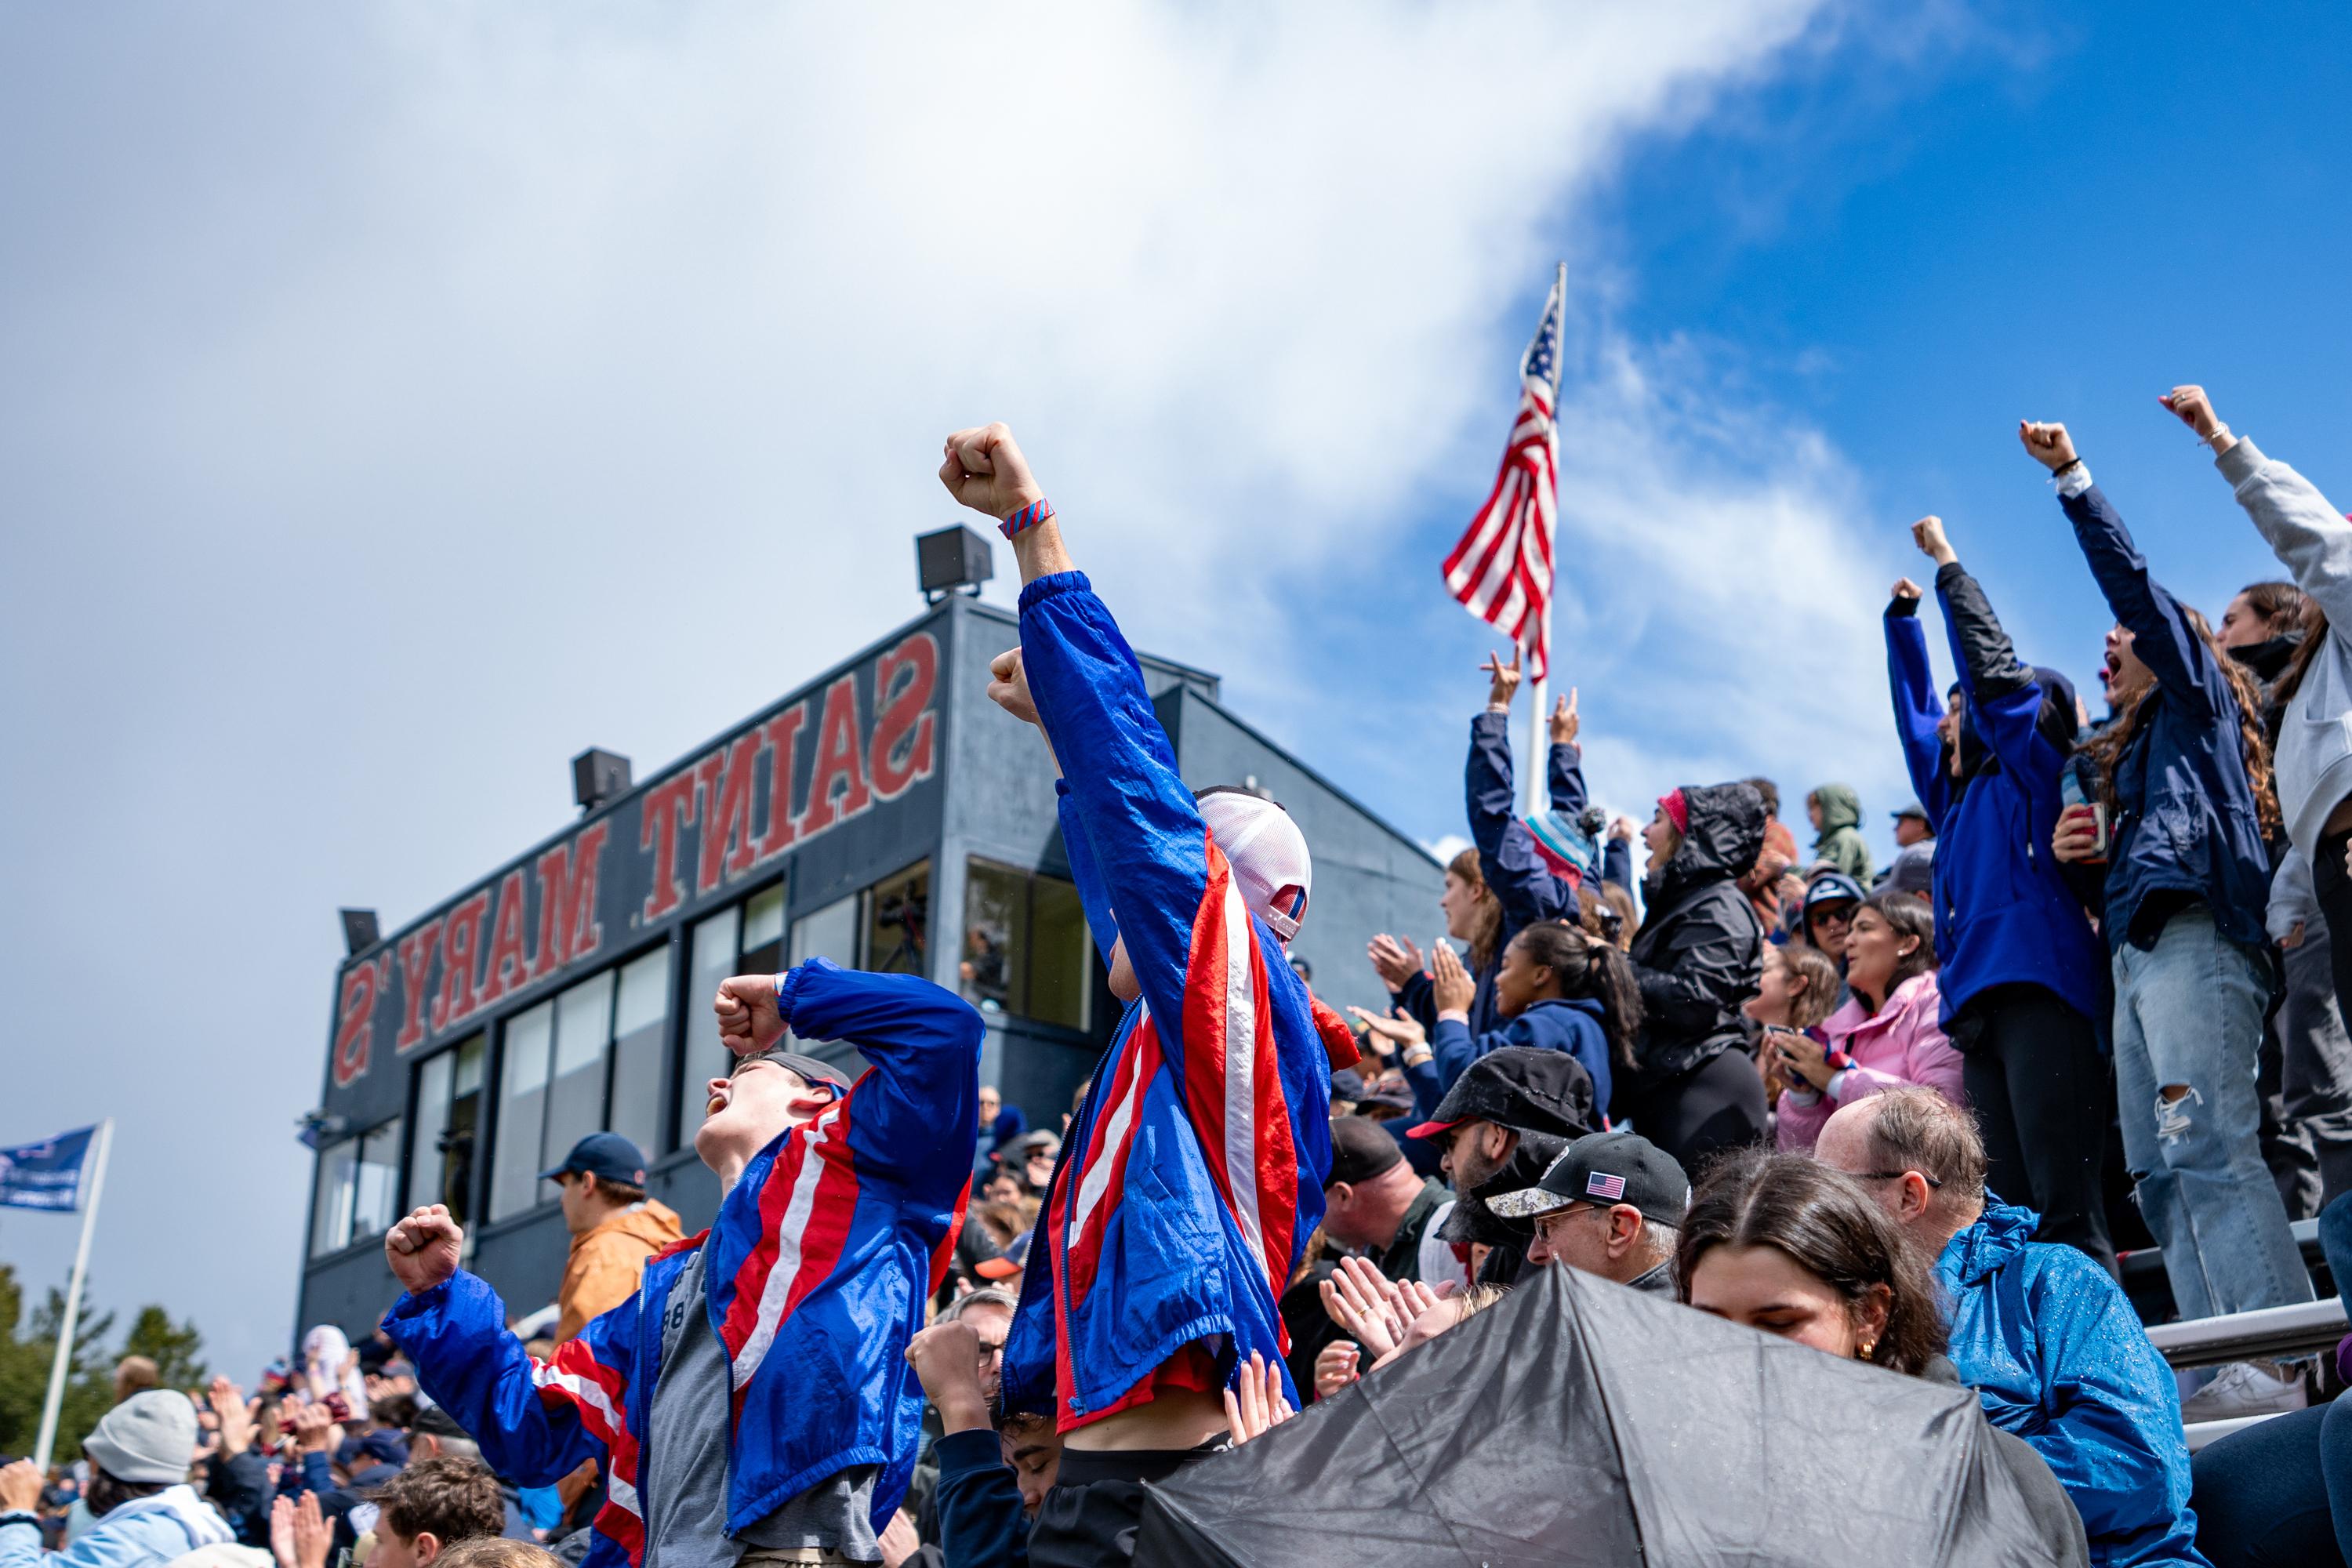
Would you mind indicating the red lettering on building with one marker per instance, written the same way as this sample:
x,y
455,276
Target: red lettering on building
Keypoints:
x,y
782,734
668,807
840,761
903,721
355,1023
461,947
725,780
416,951
568,926
510,966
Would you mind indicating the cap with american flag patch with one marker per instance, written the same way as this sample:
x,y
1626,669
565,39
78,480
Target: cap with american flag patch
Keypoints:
x,y
1605,1168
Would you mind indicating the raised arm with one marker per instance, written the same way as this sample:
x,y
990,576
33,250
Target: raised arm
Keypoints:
x,y
1566,778
2304,529
916,1113
1917,709
2162,637
1519,879
2004,694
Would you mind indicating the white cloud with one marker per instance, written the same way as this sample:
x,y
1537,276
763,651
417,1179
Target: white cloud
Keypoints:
x,y
404,399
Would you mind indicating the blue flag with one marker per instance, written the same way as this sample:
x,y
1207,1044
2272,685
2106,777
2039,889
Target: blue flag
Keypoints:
x,y
45,1175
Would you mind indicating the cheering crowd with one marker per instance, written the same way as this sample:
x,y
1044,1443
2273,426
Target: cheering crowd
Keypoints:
x,y
1903,1119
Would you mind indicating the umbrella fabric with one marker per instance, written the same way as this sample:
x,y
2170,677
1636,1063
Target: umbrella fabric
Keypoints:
x,y
1578,1422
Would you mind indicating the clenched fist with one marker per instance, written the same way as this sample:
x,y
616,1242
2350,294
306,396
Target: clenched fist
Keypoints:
x,y
2049,444
984,469
1008,686
749,1021
1928,534
422,1248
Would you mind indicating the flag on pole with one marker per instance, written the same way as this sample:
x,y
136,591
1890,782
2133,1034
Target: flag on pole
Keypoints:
x,y
1501,571
45,1175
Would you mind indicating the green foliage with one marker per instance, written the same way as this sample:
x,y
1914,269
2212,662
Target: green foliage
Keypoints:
x,y
27,1344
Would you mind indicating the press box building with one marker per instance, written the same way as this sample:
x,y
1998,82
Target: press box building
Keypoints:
x,y
886,816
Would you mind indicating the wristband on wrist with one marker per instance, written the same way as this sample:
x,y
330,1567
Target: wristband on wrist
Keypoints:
x,y
1027,517
2219,431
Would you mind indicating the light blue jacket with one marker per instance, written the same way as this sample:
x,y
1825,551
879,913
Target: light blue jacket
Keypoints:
x,y
140,1533
2057,1356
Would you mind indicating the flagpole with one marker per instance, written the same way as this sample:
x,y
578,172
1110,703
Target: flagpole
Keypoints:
x,y
1539,740
1539,750
63,1361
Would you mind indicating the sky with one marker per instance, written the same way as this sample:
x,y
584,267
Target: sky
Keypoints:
x,y
395,400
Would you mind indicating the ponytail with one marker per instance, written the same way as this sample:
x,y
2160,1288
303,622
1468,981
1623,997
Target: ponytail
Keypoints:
x,y
1586,966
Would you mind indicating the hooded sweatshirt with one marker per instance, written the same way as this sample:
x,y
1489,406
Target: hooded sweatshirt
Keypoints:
x,y
1700,953
2057,1356
607,1262
145,1530
1840,841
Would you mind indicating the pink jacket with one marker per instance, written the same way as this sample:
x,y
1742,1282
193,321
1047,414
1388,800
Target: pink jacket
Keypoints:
x,y
1898,1045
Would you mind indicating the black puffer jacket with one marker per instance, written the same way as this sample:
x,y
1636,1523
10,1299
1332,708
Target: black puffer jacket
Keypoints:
x,y
1701,951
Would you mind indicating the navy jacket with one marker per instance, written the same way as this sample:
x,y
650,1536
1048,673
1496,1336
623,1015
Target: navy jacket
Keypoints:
x,y
2185,815
2004,912
1573,1025
1516,874
980,1521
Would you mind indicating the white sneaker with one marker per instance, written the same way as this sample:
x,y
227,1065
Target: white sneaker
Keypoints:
x,y
2245,1388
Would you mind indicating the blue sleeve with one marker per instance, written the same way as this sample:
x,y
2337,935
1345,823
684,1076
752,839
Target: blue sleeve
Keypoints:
x,y
475,1368
1081,856
1917,710
1617,863
2113,1434
2162,637
1428,1087
1452,1050
980,1521
915,1115
1419,999
1567,779
1526,889
20,1546
2004,695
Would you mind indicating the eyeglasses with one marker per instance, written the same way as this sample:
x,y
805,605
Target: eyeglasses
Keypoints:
x,y
1895,1176
1830,917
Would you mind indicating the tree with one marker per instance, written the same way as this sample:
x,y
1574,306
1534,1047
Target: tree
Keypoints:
x,y
28,1347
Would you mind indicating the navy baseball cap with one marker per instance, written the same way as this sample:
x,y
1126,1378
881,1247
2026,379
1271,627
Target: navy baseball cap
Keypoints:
x,y
607,1156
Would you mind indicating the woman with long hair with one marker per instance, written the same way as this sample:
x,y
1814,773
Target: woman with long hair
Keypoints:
x,y
1473,917
1886,1035
2022,979
1788,1245
1693,1091
2186,787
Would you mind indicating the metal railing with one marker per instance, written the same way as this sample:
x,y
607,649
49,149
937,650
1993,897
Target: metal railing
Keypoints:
x,y
2270,1333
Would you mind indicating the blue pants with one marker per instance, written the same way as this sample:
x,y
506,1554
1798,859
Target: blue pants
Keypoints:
x,y
2189,1014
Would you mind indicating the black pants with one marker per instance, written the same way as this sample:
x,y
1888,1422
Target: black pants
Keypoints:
x,y
1697,1115
1089,1518
2042,1095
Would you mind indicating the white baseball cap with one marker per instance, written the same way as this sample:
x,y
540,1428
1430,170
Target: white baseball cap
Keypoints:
x,y
1267,852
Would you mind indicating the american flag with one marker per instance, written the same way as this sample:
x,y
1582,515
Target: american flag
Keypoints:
x,y
1600,1184
1502,568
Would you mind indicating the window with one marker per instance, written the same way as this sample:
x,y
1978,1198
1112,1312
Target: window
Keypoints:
x,y
588,1061
829,932
358,1189
897,914
640,1031
748,939
522,1111
1025,947
448,1117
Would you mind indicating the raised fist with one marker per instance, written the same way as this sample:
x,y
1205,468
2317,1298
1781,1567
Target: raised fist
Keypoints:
x,y
2194,409
2048,445
1008,686
422,1248
1904,589
748,1020
985,470
1928,534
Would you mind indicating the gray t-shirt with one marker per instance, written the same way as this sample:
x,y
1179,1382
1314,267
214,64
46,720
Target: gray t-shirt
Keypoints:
x,y
683,1487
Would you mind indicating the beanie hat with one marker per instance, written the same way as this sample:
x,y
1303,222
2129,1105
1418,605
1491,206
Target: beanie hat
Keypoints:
x,y
149,1438
1566,850
1266,852
1677,810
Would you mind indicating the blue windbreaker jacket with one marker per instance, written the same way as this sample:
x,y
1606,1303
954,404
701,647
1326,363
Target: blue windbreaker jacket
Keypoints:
x,y
1573,1024
2004,913
2058,1357
2185,814
821,1261
1194,1171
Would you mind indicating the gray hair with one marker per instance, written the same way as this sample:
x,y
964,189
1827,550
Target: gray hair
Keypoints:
x,y
987,1296
1917,1128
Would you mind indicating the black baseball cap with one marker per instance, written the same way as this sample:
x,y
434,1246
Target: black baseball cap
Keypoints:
x,y
1527,1087
1606,1168
607,1156
1361,1149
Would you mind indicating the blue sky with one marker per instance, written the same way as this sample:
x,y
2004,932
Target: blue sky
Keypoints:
x,y
399,400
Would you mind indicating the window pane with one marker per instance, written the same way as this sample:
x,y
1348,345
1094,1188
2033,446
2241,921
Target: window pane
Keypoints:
x,y
375,1182
639,1024
331,1221
431,1114
1060,962
995,901
763,922
829,932
575,1098
898,913
522,1111
465,1130
712,961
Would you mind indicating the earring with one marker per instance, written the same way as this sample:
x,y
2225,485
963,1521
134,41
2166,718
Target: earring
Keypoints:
x,y
1868,1346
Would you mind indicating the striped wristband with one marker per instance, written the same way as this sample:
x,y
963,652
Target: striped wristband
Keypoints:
x,y
1027,517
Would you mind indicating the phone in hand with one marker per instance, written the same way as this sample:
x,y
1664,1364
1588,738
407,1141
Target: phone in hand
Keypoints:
x,y
337,1406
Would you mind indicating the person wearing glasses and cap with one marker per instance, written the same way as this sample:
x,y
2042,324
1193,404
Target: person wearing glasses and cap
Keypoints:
x,y
751,1400
1613,1204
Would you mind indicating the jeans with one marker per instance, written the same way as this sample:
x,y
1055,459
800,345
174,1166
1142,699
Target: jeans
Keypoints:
x,y
2189,1016
2041,1090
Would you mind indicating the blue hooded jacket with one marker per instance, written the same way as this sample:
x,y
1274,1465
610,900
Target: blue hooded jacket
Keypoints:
x,y
1573,1024
2058,1357
2004,912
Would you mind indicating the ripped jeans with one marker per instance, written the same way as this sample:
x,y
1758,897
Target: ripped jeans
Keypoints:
x,y
2189,1014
